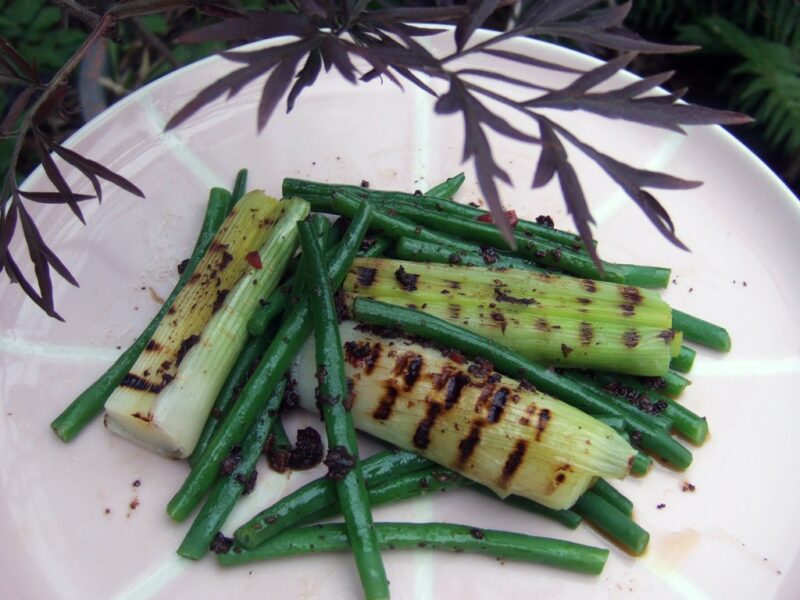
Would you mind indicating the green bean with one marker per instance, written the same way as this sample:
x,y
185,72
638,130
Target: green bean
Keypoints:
x,y
701,332
641,464
89,404
228,489
345,467
611,495
512,364
616,423
300,505
690,425
320,195
448,188
379,244
239,186
438,536
684,361
253,349
645,276
411,249
290,337
611,521
544,253
401,487
674,383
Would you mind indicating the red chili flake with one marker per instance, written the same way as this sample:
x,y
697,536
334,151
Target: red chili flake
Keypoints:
x,y
511,215
254,260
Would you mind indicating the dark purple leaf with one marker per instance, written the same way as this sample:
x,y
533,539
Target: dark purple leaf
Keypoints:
x,y
637,88
56,178
614,38
221,11
40,264
608,17
530,60
435,14
275,87
479,11
306,77
549,157
34,239
8,224
16,276
52,197
415,80
20,65
412,31
547,11
15,110
586,81
577,207
254,25
93,169
497,76
335,54
53,101
313,8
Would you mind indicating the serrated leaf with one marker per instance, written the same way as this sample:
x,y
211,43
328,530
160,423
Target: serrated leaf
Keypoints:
x,y
306,77
88,166
275,87
56,178
478,11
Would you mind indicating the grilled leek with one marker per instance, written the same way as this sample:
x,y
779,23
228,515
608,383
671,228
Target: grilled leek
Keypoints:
x,y
558,320
467,417
165,399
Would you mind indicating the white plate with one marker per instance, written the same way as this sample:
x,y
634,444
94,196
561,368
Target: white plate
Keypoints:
x,y
66,516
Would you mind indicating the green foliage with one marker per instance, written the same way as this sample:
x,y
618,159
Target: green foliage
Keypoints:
x,y
766,81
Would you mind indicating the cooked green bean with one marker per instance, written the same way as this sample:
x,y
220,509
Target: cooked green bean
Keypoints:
x,y
303,503
684,361
239,186
229,488
436,536
611,521
701,332
412,249
448,188
344,466
613,496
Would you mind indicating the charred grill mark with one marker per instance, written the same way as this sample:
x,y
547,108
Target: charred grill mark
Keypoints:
x,y
565,350
586,333
589,285
186,345
365,275
146,418
542,422
454,387
513,461
362,354
499,317
542,325
422,436
135,382
384,409
498,405
483,398
530,410
456,285
224,260
454,310
628,309
583,300
667,335
561,474
412,371
408,281
468,444
153,346
631,294
219,300
631,338
502,296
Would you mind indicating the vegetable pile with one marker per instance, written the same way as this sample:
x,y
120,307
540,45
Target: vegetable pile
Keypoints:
x,y
529,373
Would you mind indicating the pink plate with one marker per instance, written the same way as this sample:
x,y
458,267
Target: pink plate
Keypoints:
x,y
74,525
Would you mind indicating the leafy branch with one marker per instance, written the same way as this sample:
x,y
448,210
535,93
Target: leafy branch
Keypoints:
x,y
330,35
317,35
